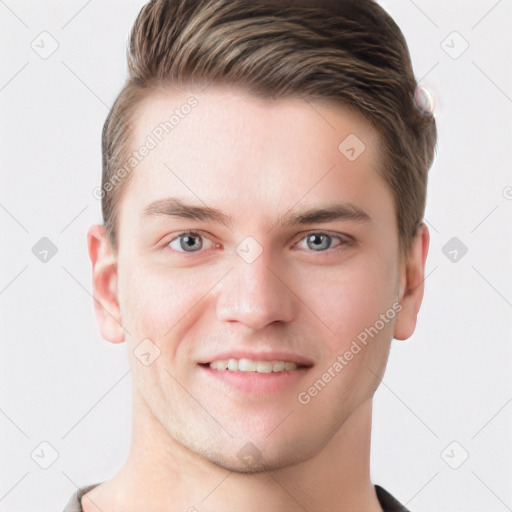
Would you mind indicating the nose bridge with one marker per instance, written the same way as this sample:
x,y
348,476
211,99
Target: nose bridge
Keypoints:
x,y
254,292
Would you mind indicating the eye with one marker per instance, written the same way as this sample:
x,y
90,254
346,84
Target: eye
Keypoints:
x,y
192,241
320,242
189,241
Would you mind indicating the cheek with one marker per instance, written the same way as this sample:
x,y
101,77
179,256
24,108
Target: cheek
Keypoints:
x,y
155,299
354,298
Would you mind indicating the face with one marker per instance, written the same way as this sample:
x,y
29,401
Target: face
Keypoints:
x,y
249,238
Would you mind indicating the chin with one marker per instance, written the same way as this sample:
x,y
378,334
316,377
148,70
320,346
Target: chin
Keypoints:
x,y
255,466
240,455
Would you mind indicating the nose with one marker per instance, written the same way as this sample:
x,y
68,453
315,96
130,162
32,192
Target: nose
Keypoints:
x,y
256,294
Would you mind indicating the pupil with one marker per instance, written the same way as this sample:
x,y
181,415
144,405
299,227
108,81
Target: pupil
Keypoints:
x,y
189,241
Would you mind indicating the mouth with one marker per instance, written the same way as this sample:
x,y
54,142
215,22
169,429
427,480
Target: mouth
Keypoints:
x,y
251,366
260,374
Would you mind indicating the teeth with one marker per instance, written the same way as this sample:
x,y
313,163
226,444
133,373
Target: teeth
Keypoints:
x,y
222,365
247,365
264,367
278,366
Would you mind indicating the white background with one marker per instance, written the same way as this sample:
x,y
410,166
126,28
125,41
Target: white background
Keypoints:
x,y
62,384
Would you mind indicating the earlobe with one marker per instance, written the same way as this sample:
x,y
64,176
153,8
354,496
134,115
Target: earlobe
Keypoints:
x,y
412,285
104,281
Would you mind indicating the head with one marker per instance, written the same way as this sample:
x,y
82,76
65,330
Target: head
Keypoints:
x,y
257,112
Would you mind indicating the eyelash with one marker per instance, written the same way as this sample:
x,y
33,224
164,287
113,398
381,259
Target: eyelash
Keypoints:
x,y
344,240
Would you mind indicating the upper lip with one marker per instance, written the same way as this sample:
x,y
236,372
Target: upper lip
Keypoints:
x,y
291,357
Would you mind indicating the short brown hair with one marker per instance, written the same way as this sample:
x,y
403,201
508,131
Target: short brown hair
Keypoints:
x,y
350,52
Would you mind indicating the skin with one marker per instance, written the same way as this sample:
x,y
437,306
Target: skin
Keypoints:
x,y
256,160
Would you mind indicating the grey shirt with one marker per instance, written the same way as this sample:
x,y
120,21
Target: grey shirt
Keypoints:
x,y
386,500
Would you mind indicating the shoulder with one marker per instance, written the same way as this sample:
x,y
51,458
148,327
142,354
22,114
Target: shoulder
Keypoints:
x,y
75,502
388,502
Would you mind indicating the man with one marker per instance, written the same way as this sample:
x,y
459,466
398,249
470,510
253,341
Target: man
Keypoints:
x,y
264,182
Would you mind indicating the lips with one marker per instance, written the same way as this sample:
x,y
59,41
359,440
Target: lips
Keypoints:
x,y
255,373
247,359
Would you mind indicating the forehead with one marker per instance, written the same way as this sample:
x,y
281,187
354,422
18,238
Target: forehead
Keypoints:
x,y
244,155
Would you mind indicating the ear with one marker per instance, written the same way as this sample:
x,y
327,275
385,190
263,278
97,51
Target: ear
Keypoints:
x,y
411,285
104,282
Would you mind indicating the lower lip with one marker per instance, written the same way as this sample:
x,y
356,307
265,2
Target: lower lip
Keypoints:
x,y
257,383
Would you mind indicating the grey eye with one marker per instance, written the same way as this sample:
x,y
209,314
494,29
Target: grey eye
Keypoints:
x,y
187,242
318,241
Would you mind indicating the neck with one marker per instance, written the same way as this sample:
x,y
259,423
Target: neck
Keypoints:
x,y
161,474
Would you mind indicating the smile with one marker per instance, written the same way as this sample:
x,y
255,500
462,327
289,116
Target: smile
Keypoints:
x,y
248,365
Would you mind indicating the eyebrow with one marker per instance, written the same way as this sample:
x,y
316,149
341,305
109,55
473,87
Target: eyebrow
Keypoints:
x,y
174,207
